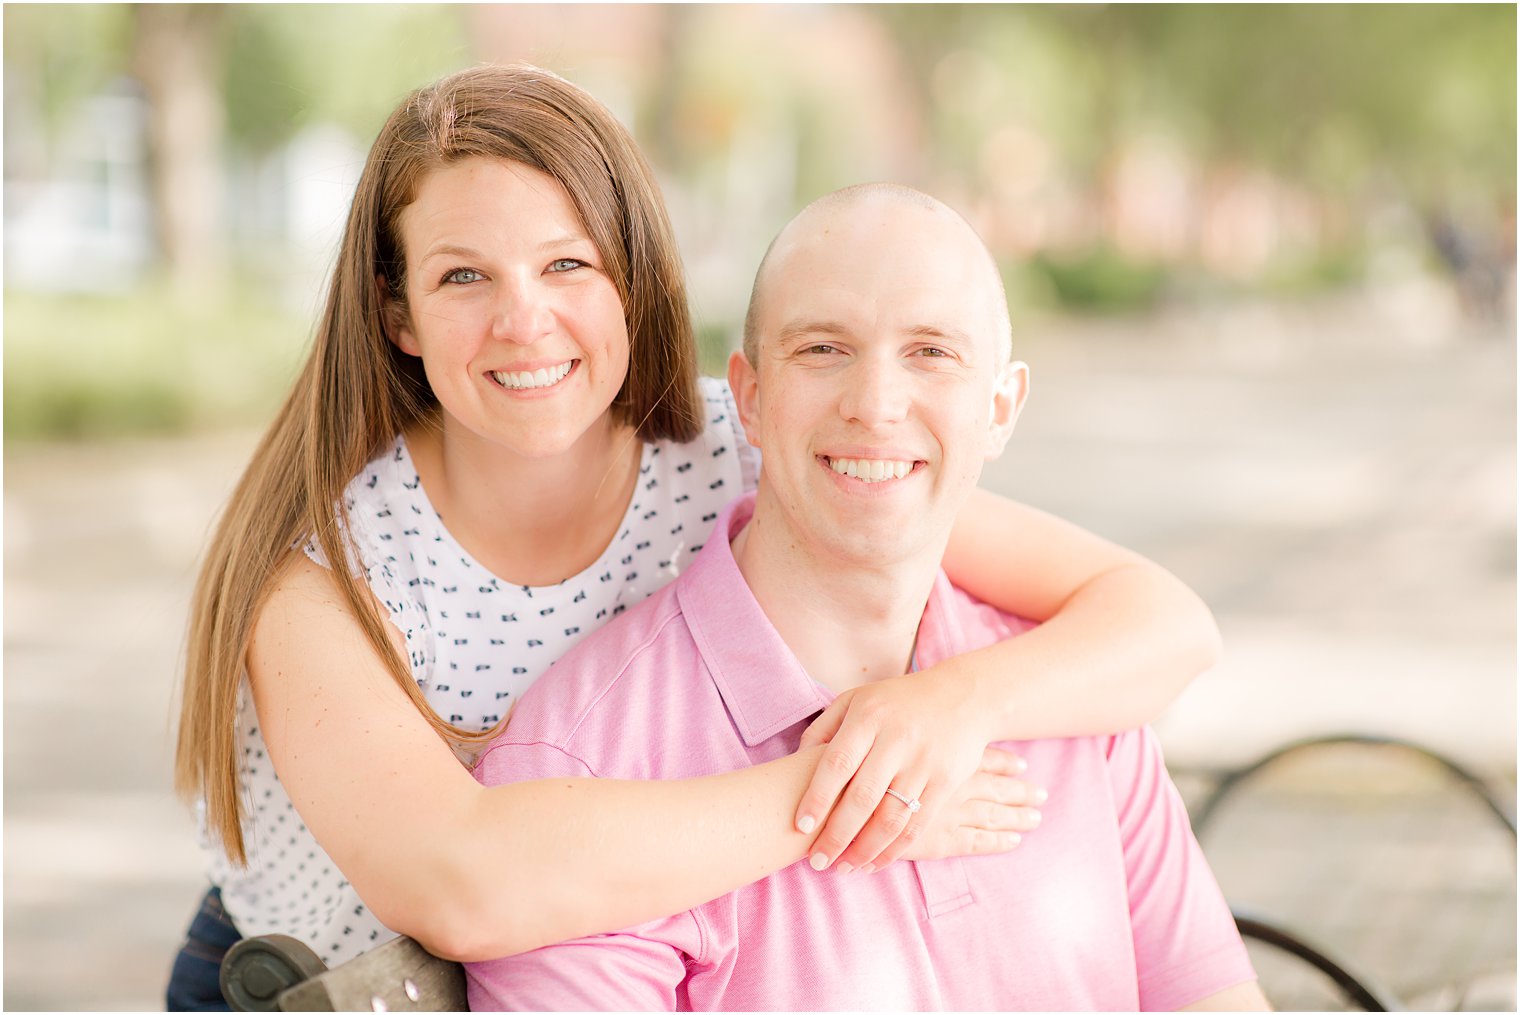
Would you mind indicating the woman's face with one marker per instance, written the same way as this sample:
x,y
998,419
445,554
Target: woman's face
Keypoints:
x,y
520,331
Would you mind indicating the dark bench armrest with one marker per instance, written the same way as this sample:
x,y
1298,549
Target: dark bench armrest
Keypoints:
x,y
279,973
1358,988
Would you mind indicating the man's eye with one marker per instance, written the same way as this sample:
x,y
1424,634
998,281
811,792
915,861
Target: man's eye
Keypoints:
x,y
566,264
933,351
818,349
462,276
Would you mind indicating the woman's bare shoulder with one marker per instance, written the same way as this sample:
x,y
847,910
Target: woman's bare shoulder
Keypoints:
x,y
306,615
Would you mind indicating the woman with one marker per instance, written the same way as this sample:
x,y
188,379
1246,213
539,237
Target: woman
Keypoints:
x,y
498,442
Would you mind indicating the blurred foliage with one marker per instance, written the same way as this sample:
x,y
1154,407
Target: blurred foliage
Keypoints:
x,y
1102,280
290,66
285,66
1321,93
63,54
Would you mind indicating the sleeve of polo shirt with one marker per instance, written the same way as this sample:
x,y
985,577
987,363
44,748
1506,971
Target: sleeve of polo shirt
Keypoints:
x,y
1186,944
642,968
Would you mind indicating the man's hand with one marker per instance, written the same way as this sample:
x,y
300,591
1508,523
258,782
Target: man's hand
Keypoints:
x,y
920,735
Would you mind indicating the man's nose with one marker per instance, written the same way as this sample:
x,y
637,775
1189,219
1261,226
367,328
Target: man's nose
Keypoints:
x,y
876,393
522,313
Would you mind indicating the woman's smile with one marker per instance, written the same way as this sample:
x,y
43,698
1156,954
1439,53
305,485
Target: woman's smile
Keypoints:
x,y
534,380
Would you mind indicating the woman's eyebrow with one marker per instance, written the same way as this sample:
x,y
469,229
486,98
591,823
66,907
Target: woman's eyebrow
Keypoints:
x,y
455,250
451,250
564,241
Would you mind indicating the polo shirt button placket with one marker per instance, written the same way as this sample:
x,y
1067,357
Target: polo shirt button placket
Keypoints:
x,y
944,884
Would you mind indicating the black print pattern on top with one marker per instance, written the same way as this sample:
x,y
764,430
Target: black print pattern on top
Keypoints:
x,y
474,642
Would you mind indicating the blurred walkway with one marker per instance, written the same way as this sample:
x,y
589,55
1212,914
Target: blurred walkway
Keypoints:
x,y
1338,483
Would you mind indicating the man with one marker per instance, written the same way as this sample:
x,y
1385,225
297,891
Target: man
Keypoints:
x,y
876,381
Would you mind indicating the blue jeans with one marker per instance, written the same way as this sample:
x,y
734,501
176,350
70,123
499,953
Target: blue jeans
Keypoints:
x,y
194,983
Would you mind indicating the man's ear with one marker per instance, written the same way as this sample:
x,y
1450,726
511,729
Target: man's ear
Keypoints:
x,y
745,384
1008,394
395,320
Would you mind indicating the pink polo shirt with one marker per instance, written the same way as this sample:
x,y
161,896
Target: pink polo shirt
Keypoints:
x,y
1108,905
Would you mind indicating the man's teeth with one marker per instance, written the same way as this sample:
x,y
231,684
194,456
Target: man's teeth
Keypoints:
x,y
870,470
533,378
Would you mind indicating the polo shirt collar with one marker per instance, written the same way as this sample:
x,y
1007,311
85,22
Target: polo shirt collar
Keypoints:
x,y
763,685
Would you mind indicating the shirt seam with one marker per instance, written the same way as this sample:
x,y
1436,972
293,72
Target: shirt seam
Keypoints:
x,y
556,748
644,646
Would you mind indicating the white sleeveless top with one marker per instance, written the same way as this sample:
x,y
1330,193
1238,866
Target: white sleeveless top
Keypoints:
x,y
475,643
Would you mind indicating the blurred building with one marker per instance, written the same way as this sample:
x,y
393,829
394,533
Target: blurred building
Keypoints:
x,y
77,210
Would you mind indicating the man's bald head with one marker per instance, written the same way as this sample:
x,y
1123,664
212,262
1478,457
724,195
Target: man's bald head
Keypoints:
x,y
817,218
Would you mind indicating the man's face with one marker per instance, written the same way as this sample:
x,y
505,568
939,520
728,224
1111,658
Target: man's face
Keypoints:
x,y
881,387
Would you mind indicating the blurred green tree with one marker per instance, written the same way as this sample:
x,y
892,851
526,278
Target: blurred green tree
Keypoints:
x,y
1356,104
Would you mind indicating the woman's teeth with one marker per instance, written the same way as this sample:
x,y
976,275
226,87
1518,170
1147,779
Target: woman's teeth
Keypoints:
x,y
532,378
870,470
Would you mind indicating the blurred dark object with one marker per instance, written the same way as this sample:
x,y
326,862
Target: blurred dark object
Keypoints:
x,y
1401,858
274,972
1481,261
1361,991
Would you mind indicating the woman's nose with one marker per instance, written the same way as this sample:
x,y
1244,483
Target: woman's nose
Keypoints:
x,y
523,314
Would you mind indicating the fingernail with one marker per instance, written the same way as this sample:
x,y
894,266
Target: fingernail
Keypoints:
x,y
1040,796
806,824
818,861
1020,765
1034,817
1014,838
869,868
844,867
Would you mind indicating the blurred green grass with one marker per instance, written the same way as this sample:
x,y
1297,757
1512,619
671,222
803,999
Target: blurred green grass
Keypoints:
x,y
1104,281
91,367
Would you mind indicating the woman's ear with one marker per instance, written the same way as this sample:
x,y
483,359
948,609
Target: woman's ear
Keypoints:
x,y
1008,394
395,320
745,385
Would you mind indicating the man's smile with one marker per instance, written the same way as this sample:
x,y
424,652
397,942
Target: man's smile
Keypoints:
x,y
872,470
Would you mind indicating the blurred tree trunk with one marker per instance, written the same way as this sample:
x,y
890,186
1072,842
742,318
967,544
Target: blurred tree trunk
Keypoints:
x,y
662,139
177,53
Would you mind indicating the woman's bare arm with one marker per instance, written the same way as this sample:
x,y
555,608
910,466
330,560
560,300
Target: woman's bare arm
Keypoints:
x,y
475,872
1120,638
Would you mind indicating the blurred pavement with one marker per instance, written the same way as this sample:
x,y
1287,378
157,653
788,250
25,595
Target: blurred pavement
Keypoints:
x,y
1337,481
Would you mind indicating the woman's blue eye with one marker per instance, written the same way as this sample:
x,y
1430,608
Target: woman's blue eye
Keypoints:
x,y
462,276
566,264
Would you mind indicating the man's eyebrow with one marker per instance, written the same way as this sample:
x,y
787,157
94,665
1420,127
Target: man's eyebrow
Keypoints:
x,y
799,329
793,330
945,334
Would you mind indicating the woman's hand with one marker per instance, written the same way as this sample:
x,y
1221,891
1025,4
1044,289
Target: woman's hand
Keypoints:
x,y
922,736
985,815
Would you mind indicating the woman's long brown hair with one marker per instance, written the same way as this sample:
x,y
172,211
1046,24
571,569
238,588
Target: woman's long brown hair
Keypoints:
x,y
356,391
